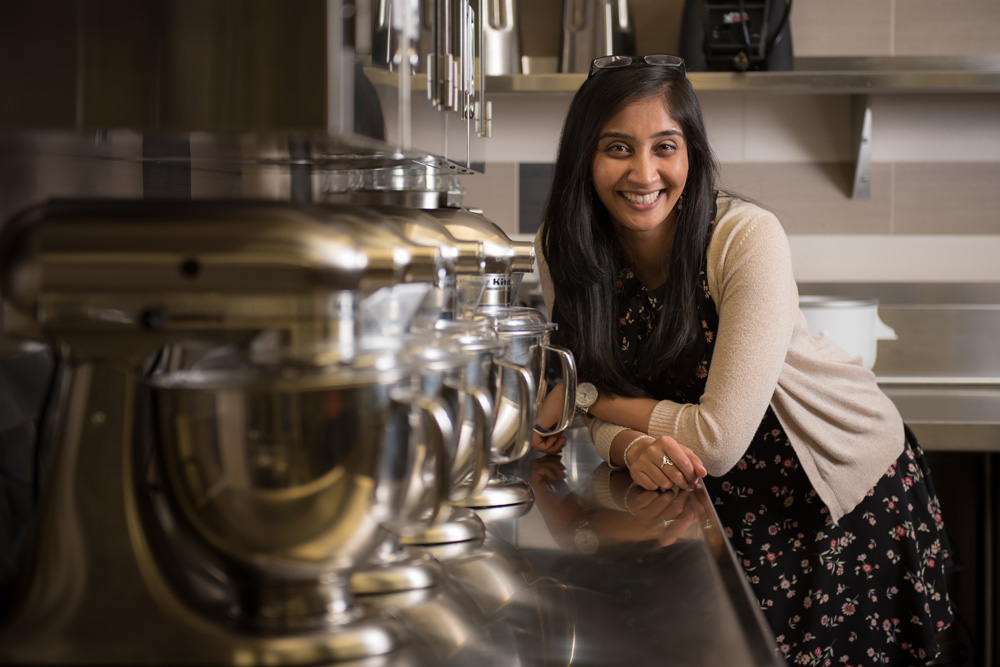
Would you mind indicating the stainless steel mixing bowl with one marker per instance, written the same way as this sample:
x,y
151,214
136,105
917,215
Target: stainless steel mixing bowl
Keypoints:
x,y
476,411
289,471
526,332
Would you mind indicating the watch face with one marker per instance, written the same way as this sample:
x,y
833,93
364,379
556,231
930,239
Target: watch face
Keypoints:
x,y
586,395
586,541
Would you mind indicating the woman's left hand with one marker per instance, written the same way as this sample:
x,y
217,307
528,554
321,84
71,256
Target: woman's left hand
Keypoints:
x,y
657,517
664,463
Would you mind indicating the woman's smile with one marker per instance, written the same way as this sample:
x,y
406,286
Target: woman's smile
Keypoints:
x,y
642,200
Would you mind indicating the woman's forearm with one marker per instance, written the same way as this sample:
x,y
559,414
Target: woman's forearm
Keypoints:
x,y
631,412
626,440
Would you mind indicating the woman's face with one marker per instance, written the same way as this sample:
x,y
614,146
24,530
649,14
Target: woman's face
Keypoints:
x,y
640,167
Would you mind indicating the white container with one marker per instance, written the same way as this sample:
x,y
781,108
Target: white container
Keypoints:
x,y
852,324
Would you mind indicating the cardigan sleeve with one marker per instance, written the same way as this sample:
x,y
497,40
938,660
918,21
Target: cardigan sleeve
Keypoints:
x,y
750,278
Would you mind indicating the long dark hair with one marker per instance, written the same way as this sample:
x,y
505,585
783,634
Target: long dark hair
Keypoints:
x,y
582,250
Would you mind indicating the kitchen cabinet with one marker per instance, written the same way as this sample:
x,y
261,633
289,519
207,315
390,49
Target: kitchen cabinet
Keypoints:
x,y
859,78
957,423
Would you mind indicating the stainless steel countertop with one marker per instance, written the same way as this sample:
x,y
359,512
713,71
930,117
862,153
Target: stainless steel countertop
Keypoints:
x,y
653,592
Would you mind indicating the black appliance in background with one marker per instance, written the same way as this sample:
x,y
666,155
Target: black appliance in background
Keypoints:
x,y
736,35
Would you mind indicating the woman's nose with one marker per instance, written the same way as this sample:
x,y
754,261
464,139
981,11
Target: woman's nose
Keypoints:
x,y
643,170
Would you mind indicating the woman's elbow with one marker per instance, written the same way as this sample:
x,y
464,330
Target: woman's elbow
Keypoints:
x,y
717,467
718,461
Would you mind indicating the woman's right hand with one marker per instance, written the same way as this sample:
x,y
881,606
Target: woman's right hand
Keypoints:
x,y
663,463
547,417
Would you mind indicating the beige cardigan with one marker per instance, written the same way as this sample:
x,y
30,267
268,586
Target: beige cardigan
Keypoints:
x,y
843,428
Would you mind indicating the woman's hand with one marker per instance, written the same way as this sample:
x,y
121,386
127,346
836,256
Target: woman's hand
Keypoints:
x,y
546,470
547,417
659,518
663,463
548,444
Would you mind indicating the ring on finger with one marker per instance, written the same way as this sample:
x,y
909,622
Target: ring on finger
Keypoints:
x,y
666,462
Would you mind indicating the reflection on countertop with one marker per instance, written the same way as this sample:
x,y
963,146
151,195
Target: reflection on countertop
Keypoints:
x,y
594,571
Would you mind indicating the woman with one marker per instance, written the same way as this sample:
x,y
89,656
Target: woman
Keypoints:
x,y
680,307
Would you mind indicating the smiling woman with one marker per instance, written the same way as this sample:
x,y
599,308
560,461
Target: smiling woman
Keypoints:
x,y
680,307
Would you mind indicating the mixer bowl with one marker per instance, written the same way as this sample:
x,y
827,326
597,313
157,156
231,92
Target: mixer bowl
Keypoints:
x,y
526,333
482,349
470,469
289,472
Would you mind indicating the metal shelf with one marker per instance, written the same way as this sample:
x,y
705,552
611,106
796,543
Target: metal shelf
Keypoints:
x,y
945,74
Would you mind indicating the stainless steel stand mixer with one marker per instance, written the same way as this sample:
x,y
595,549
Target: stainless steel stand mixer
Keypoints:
x,y
226,533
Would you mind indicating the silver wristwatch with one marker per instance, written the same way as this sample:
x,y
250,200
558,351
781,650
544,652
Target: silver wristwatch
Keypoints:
x,y
586,396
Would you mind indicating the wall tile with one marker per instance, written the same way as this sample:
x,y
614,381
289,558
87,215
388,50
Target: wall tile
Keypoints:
x,y
895,258
495,192
534,181
798,128
842,28
955,27
947,198
724,113
936,128
526,128
815,198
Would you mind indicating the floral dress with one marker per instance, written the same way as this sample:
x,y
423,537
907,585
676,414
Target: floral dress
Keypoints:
x,y
869,590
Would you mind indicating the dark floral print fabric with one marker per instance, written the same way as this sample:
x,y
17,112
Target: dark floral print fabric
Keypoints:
x,y
869,590
639,310
638,314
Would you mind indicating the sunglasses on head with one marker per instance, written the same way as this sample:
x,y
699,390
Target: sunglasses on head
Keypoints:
x,y
616,62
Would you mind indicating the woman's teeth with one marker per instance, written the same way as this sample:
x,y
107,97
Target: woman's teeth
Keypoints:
x,y
641,199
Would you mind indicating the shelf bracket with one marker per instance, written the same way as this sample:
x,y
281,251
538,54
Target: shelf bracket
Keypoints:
x,y
861,124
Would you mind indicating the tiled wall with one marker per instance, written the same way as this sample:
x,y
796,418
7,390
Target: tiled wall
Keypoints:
x,y
934,212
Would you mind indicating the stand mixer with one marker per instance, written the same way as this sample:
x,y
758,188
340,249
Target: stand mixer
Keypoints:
x,y
226,534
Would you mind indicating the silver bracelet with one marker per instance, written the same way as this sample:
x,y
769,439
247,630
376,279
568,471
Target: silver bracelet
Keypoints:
x,y
629,446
